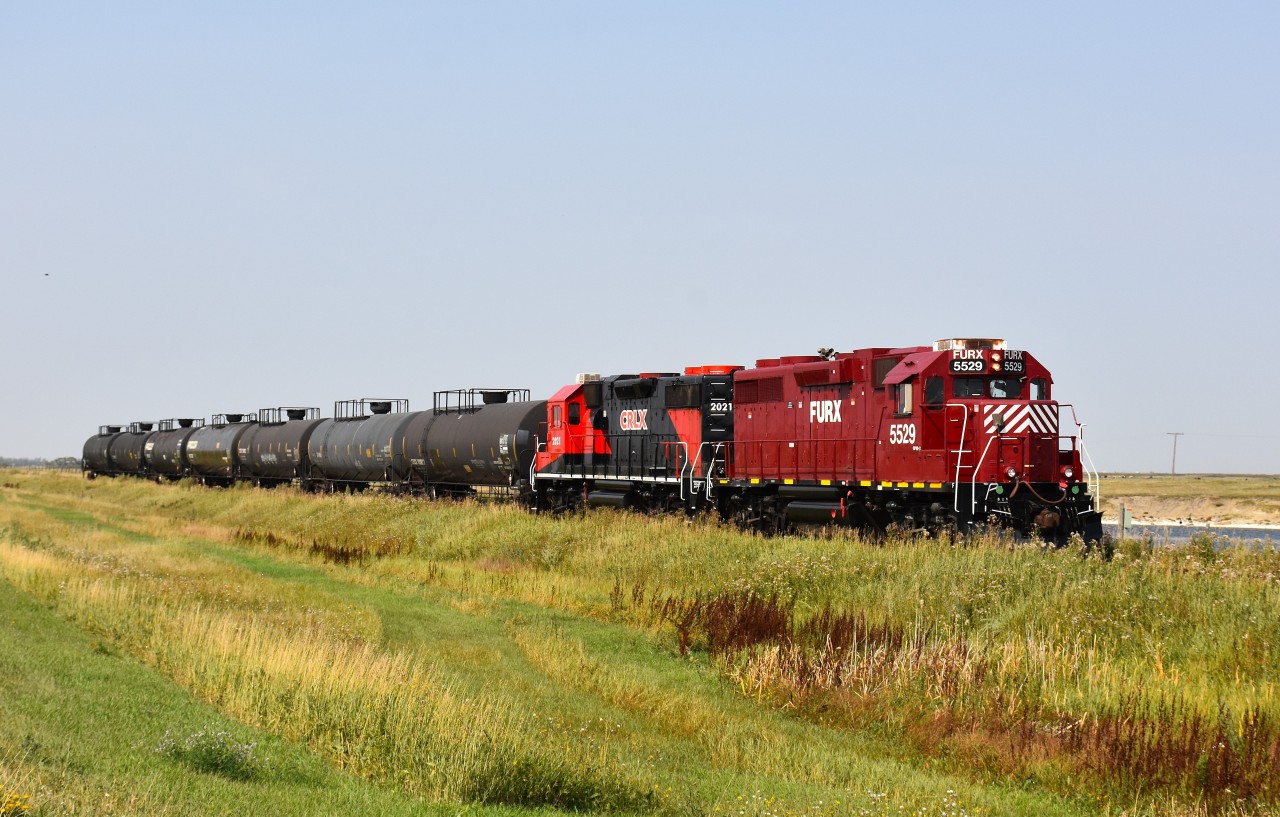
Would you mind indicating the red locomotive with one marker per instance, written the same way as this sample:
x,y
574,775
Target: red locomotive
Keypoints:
x,y
938,437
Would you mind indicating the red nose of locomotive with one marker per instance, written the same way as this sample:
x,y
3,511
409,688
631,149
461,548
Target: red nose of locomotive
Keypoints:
x,y
1011,426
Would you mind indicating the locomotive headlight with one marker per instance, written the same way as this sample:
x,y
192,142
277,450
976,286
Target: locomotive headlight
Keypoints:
x,y
1012,473
1068,472
995,357
995,367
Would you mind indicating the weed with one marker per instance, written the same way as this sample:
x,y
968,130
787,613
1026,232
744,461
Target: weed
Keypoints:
x,y
213,751
12,803
1204,546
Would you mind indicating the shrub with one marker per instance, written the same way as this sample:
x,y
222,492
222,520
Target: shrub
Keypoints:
x,y
212,750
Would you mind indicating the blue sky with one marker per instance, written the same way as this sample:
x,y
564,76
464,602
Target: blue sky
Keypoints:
x,y
212,209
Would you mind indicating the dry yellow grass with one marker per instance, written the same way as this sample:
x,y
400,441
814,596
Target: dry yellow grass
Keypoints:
x,y
1215,499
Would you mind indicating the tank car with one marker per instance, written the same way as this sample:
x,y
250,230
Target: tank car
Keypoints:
x,y
211,449
127,451
95,460
274,450
477,439
363,445
166,450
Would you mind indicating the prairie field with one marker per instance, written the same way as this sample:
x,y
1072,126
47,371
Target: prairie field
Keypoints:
x,y
1216,499
172,649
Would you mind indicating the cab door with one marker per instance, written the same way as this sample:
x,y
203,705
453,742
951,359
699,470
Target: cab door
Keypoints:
x,y
934,425
901,437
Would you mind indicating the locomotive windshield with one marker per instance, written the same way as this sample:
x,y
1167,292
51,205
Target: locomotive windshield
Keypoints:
x,y
1001,388
1006,388
969,386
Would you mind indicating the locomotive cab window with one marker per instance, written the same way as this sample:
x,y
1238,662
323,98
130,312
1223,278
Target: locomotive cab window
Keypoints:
x,y
1006,388
969,387
575,414
933,396
1039,389
904,403
555,416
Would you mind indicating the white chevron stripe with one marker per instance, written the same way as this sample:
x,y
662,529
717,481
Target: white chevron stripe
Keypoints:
x,y
1019,418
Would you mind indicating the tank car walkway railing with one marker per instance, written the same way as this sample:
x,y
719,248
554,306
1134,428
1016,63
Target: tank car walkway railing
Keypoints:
x,y
464,401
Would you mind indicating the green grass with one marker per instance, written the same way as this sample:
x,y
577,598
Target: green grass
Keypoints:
x,y
81,725
476,656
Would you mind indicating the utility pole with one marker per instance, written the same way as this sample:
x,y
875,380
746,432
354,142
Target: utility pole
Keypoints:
x,y
1173,469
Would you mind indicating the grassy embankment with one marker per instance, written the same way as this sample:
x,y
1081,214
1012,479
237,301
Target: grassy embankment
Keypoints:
x,y
466,654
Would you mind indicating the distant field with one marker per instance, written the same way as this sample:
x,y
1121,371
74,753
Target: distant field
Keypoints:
x,y
1212,498
176,650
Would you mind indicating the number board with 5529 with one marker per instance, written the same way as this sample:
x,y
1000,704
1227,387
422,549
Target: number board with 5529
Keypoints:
x,y
976,361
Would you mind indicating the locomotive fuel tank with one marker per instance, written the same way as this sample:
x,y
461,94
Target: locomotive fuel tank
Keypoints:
x,y
211,450
489,444
167,449
95,459
127,451
362,443
275,449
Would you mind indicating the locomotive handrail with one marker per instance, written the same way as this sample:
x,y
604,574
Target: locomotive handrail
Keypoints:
x,y
812,472
973,483
1091,472
692,466
959,452
538,448
686,466
1092,479
711,467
